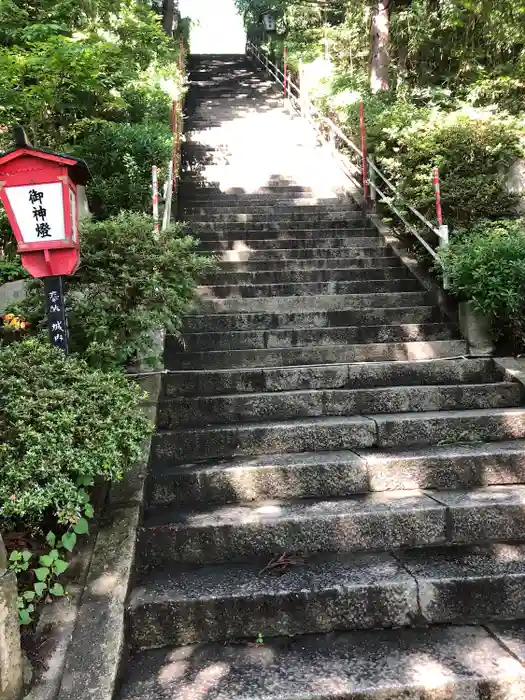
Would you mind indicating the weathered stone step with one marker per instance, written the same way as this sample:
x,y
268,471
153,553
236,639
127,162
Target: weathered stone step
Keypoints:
x,y
336,474
287,405
220,323
247,202
324,228
239,251
363,522
304,337
340,433
384,260
285,247
249,291
338,592
257,237
469,663
305,435
351,376
326,302
300,208
279,215
316,355
300,276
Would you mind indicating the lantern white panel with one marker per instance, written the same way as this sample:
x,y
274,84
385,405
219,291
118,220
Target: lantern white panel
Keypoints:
x,y
39,211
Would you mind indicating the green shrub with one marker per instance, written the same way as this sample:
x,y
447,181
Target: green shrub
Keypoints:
x,y
11,269
473,153
120,157
61,423
129,282
486,265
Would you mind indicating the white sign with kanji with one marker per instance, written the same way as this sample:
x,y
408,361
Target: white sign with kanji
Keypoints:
x,y
39,211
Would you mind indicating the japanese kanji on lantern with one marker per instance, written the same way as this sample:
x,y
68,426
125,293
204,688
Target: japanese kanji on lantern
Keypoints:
x,y
40,193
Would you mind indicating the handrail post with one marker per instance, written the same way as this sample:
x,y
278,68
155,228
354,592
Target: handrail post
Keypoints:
x,y
363,152
285,60
443,228
155,198
372,178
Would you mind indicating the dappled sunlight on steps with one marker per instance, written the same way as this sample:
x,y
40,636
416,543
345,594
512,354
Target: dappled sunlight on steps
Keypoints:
x,y
320,420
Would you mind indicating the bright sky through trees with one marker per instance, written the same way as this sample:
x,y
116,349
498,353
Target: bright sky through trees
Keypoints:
x,y
217,27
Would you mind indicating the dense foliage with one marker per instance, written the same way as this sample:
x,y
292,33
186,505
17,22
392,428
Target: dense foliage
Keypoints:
x,y
61,420
129,282
94,78
486,265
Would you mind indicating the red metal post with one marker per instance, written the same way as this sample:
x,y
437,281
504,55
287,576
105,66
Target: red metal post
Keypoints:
x,y
437,193
364,155
285,70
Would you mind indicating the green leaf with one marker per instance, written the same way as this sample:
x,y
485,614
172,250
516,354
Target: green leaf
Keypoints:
x,y
24,617
54,554
46,560
40,587
82,527
42,573
88,510
26,556
15,556
51,539
69,540
29,595
57,590
59,566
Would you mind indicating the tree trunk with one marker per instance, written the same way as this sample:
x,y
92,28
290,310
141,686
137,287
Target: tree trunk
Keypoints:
x,y
380,58
168,11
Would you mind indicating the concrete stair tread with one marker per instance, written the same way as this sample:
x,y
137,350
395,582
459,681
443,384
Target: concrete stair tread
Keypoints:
x,y
329,592
282,338
376,521
318,354
347,375
341,432
336,473
449,661
325,302
209,323
254,407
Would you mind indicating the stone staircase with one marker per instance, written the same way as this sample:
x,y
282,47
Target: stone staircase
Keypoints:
x,y
335,507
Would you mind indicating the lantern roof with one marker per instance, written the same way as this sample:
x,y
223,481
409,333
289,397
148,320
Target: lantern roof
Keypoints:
x,y
78,168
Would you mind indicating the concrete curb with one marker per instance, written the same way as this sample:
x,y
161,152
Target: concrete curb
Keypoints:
x,y
84,637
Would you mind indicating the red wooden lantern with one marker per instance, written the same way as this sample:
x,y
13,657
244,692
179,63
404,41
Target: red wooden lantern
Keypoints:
x,y
39,192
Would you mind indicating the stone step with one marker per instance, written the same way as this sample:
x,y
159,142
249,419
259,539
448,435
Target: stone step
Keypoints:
x,y
306,337
326,230
265,202
350,376
238,251
329,592
281,216
326,302
449,662
336,474
221,323
240,532
339,433
298,289
316,355
344,247
258,237
384,260
301,276
308,403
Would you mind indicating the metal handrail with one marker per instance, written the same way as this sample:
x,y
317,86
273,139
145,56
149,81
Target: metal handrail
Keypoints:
x,y
315,117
